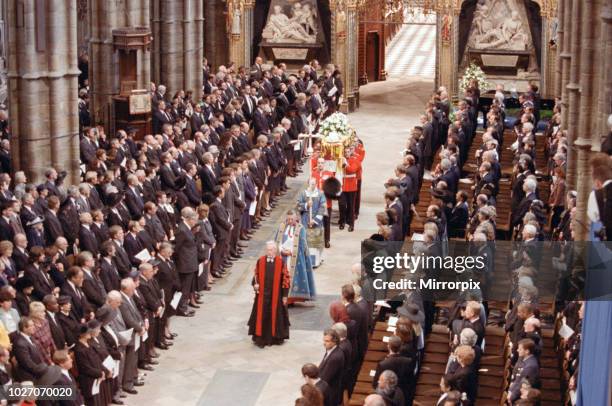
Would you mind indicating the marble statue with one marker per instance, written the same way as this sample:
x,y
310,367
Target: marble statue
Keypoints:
x,y
299,28
491,29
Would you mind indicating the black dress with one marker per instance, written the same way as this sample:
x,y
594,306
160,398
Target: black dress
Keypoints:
x,y
90,368
108,387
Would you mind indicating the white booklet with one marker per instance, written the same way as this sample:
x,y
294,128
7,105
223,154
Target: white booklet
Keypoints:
x,y
95,388
175,300
143,255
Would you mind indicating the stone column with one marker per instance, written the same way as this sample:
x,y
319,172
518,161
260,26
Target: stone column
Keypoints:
x,y
215,37
350,64
43,86
565,60
4,53
560,38
104,75
179,52
247,32
589,82
339,47
605,70
573,88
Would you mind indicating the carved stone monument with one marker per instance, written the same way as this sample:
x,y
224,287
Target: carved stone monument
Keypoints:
x,y
293,31
500,41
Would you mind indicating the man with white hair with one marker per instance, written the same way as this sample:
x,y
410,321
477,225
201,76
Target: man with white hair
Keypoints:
x,y
530,186
269,321
387,388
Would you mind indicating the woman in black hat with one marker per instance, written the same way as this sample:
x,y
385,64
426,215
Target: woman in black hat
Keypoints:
x,y
23,298
90,368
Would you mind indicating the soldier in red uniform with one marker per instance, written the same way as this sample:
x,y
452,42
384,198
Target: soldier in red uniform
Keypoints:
x,y
360,152
351,166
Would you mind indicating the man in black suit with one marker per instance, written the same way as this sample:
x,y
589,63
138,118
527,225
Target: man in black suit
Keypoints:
x,y
256,72
38,274
80,307
356,313
401,365
332,366
261,124
20,253
197,119
6,229
527,368
186,258
87,239
151,293
107,267
133,197
5,156
310,372
191,190
50,184
63,359
92,286
122,259
30,362
53,227
207,174
89,146
59,338
222,226
530,186
69,215
160,117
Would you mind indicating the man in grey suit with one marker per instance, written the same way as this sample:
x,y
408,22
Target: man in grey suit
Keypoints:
x,y
132,319
186,258
112,321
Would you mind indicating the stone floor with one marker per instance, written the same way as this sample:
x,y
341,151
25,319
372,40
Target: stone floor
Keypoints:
x,y
213,361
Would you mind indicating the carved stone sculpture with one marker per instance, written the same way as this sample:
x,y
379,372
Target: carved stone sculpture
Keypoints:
x,y
491,29
300,28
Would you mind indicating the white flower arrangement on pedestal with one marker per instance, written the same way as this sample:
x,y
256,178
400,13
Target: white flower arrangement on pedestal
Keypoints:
x,y
473,72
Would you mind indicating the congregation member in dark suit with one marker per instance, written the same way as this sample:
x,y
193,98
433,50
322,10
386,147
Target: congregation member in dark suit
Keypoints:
x,y
52,310
169,282
37,272
87,238
332,365
402,366
222,226
108,271
186,258
30,361
527,368
80,307
92,286
62,359
356,313
310,372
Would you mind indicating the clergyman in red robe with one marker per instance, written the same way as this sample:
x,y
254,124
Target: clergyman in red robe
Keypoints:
x,y
269,321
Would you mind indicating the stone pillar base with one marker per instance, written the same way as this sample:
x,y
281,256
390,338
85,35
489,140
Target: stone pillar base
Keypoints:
x,y
351,103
